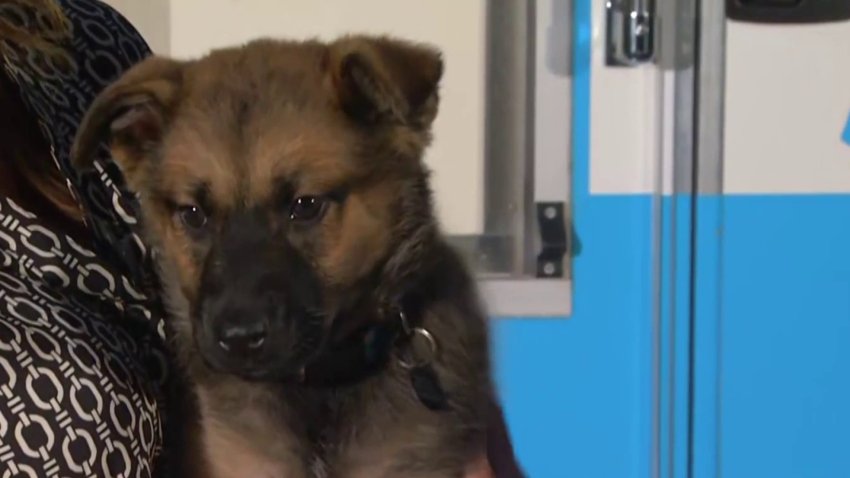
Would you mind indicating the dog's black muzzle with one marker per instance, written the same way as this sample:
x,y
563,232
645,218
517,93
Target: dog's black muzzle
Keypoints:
x,y
259,311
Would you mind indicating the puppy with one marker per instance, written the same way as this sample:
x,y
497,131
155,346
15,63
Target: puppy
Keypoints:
x,y
322,322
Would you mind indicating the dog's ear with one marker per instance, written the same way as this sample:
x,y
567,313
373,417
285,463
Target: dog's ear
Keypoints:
x,y
131,114
380,78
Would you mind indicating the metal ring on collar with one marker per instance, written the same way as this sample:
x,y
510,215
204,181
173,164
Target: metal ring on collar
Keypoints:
x,y
408,360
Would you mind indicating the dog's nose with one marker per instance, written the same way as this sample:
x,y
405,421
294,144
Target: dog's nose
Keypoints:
x,y
243,339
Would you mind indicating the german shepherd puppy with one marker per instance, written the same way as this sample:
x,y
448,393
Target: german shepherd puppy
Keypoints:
x,y
325,327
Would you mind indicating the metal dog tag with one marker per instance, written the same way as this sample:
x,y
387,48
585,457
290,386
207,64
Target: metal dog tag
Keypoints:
x,y
428,389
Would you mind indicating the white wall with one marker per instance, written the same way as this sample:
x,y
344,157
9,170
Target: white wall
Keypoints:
x,y
189,28
150,17
787,102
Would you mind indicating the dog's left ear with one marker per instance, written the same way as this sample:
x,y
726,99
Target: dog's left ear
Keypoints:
x,y
384,79
131,115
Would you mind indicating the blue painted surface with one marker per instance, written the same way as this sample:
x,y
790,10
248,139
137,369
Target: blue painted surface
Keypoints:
x,y
845,136
785,337
771,346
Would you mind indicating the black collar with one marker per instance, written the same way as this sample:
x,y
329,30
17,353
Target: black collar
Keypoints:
x,y
363,353
397,333
359,356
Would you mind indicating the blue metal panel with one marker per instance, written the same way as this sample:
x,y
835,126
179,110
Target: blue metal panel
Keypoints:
x,y
784,342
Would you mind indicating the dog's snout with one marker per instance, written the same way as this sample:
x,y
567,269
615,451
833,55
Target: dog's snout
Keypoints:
x,y
255,305
239,330
243,339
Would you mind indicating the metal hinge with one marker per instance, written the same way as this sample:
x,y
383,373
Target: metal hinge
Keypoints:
x,y
630,35
553,239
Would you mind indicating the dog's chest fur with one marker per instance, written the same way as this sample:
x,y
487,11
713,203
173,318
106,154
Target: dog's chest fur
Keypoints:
x,y
371,430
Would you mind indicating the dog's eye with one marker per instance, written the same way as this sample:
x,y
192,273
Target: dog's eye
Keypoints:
x,y
307,208
192,217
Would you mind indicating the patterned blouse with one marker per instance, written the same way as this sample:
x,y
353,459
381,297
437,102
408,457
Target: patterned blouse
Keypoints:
x,y
83,370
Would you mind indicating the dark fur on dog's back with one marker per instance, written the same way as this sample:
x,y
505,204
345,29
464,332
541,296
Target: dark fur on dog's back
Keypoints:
x,y
282,184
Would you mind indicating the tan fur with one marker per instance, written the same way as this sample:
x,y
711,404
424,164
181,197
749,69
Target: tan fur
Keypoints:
x,y
353,115
253,448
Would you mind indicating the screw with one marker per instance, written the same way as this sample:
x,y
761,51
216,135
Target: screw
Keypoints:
x,y
549,268
550,212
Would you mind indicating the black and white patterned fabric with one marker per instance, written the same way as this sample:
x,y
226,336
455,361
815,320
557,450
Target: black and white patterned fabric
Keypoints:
x,y
83,370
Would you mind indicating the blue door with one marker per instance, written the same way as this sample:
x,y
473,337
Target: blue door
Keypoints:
x,y
772,279
710,327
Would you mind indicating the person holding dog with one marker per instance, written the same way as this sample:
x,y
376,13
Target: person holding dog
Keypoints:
x,y
86,386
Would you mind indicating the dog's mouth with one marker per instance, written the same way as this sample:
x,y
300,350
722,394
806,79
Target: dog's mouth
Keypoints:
x,y
282,354
260,372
